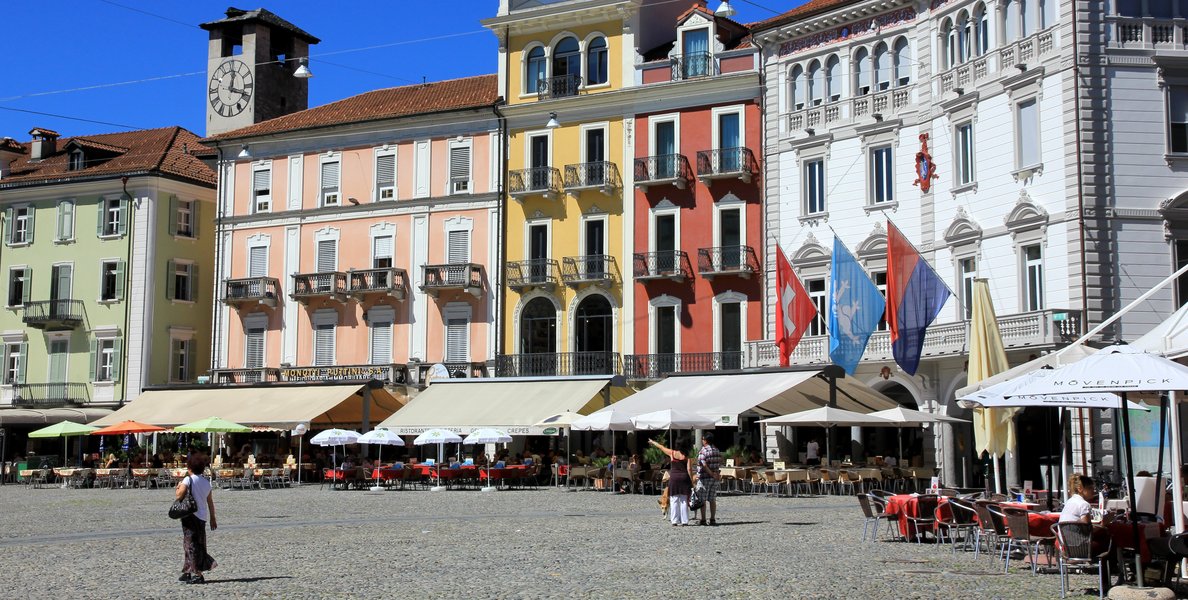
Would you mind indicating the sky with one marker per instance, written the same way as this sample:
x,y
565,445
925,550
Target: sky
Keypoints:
x,y
99,66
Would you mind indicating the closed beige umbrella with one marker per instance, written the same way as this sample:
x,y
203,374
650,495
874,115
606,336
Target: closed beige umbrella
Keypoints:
x,y
994,428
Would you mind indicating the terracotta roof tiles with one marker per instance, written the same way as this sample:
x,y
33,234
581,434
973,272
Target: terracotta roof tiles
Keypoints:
x,y
808,9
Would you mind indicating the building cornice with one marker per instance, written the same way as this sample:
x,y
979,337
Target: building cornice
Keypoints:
x,y
371,209
562,15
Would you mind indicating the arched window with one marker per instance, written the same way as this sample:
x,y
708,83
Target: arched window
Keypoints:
x,y
538,327
949,37
593,327
536,70
982,29
567,59
882,65
1010,25
861,72
816,80
833,78
798,85
964,33
903,62
1027,23
596,62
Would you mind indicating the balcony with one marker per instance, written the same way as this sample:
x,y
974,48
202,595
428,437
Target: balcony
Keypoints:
x,y
558,86
49,395
465,277
883,103
456,369
726,163
729,260
537,181
665,169
692,66
602,176
312,286
525,275
245,375
551,364
53,315
1025,331
389,281
390,373
657,366
1148,33
664,264
251,291
598,269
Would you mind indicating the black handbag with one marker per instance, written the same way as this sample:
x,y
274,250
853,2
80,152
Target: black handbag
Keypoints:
x,y
186,506
697,498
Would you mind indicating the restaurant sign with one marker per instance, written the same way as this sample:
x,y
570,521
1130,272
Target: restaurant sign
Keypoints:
x,y
361,372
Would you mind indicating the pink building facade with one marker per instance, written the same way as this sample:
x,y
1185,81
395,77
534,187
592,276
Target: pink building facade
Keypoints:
x,y
359,239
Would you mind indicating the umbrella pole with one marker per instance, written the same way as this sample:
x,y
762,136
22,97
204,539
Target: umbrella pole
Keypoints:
x,y
997,474
1138,556
1173,418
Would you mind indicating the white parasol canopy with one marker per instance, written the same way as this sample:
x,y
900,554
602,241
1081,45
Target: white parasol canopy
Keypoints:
x,y
1114,369
827,416
1004,394
907,416
441,437
383,437
673,419
604,420
487,436
335,437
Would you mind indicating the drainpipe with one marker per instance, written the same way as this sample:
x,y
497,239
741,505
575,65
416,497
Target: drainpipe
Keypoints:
x,y
127,290
504,143
1076,71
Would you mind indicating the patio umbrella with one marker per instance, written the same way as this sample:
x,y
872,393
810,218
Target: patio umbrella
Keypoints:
x,y
607,419
128,428
383,437
565,420
64,430
487,436
441,437
907,416
672,419
334,438
994,429
213,425
828,416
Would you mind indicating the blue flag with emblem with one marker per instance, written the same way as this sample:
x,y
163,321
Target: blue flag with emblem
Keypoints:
x,y
855,308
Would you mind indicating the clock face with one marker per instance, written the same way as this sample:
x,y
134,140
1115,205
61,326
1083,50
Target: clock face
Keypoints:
x,y
230,88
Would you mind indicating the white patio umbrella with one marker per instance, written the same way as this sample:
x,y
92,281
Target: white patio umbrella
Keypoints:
x,y
607,419
441,437
828,416
672,419
335,437
384,437
488,436
565,420
906,416
1120,369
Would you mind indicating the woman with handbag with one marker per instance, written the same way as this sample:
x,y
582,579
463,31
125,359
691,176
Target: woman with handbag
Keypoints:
x,y
194,497
680,484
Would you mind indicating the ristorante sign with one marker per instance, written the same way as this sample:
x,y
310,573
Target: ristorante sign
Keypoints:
x,y
360,372
848,31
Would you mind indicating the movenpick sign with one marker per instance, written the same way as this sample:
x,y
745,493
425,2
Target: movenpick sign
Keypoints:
x,y
1112,369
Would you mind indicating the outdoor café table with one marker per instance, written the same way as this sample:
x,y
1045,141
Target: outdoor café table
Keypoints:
x,y
908,505
1122,532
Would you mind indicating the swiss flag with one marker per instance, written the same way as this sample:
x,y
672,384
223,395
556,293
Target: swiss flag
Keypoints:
x,y
794,309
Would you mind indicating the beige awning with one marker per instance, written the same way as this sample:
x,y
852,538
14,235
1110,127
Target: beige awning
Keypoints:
x,y
513,405
769,394
281,406
49,416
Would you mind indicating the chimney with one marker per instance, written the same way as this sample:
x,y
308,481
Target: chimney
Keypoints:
x,y
45,142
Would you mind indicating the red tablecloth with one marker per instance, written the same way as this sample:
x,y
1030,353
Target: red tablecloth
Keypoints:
x,y
904,506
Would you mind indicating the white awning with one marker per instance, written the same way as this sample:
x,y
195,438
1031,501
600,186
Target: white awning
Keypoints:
x,y
725,397
49,416
280,406
514,405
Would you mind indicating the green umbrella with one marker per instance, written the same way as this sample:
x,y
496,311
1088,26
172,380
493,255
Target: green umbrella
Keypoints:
x,y
63,430
213,425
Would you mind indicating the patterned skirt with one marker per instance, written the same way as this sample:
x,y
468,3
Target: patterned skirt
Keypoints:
x,y
194,543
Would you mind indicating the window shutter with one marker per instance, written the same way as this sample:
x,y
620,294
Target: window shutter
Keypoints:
x,y
324,345
258,261
29,225
194,218
94,359
8,217
22,361
459,247
381,343
457,340
119,280
262,181
102,206
65,220
382,247
123,217
330,183
327,256
193,283
189,352
460,169
174,210
26,288
254,349
385,176
170,280
116,352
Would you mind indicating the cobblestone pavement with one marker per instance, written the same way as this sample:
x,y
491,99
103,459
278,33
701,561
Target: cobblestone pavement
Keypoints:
x,y
306,543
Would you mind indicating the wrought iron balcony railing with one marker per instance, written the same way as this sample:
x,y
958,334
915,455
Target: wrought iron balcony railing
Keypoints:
x,y
389,281
664,169
559,86
557,364
245,375
693,65
598,269
663,264
726,163
537,181
602,175
656,366
251,291
467,277
53,315
525,275
307,286
49,395
727,260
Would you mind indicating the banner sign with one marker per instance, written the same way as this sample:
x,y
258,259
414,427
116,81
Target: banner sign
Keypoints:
x,y
362,373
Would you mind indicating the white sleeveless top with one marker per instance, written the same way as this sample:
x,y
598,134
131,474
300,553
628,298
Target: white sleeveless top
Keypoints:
x,y
200,488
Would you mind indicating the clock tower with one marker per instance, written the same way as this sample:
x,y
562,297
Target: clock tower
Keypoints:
x,y
251,60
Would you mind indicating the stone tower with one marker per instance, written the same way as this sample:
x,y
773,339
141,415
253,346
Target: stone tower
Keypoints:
x,y
251,58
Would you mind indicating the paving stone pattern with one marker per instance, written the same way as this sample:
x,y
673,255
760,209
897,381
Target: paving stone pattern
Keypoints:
x,y
311,543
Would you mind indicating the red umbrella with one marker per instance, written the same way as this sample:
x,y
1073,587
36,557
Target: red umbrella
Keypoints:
x,y
127,427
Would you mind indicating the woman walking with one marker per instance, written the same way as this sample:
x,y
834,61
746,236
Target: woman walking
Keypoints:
x,y
680,484
194,526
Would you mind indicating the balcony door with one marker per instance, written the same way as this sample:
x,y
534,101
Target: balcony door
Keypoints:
x,y
60,285
327,262
593,336
665,243
538,158
695,47
538,338
595,169
730,238
538,252
59,350
729,142
665,337
730,334
382,251
664,133
595,248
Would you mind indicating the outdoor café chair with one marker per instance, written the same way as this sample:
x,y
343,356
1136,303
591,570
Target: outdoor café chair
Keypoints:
x,y
798,481
874,514
964,522
40,478
1020,538
1075,552
844,481
926,517
774,482
164,478
826,482
884,494
991,529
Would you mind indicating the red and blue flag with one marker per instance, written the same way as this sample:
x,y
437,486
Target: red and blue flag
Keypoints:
x,y
915,295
